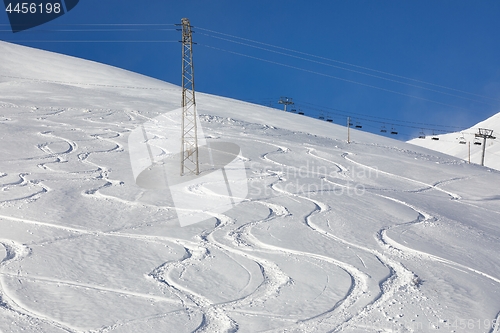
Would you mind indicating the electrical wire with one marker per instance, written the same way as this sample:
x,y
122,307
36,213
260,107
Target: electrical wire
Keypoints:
x,y
139,27
116,24
333,77
348,69
358,117
348,64
92,30
364,118
92,41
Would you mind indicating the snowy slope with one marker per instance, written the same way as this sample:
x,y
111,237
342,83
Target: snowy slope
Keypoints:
x,y
373,236
450,143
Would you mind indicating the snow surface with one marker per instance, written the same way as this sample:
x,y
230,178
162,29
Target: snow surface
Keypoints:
x,y
373,236
450,143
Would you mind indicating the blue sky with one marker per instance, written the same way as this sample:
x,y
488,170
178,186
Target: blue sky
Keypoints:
x,y
398,64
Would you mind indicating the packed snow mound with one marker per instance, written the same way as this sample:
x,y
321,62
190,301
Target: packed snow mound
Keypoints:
x,y
457,144
373,236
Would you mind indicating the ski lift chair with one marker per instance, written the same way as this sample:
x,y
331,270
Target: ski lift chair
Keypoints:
x,y
477,142
393,131
383,129
461,139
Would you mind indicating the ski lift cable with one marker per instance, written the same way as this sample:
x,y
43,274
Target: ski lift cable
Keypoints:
x,y
384,121
412,136
394,123
400,134
348,64
387,120
348,69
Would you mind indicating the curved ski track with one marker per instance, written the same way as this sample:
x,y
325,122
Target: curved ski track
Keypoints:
x,y
400,276
216,317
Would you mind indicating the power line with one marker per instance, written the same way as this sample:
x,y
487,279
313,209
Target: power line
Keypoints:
x,y
348,69
333,77
93,30
114,24
349,64
91,41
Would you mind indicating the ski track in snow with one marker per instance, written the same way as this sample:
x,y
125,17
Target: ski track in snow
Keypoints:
x,y
454,196
8,302
340,312
400,276
214,320
401,251
388,242
216,317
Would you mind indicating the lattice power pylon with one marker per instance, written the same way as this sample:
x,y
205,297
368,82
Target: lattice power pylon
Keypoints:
x,y
189,148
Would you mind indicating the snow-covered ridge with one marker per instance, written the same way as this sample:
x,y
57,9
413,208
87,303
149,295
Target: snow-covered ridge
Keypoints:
x,y
457,144
377,235
25,63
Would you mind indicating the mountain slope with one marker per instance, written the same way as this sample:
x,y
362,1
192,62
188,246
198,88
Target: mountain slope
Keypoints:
x,y
376,235
450,143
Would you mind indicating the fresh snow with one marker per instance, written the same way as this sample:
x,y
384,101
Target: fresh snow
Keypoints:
x,y
450,143
373,236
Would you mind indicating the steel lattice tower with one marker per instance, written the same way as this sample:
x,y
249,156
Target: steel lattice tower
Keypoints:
x,y
189,148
